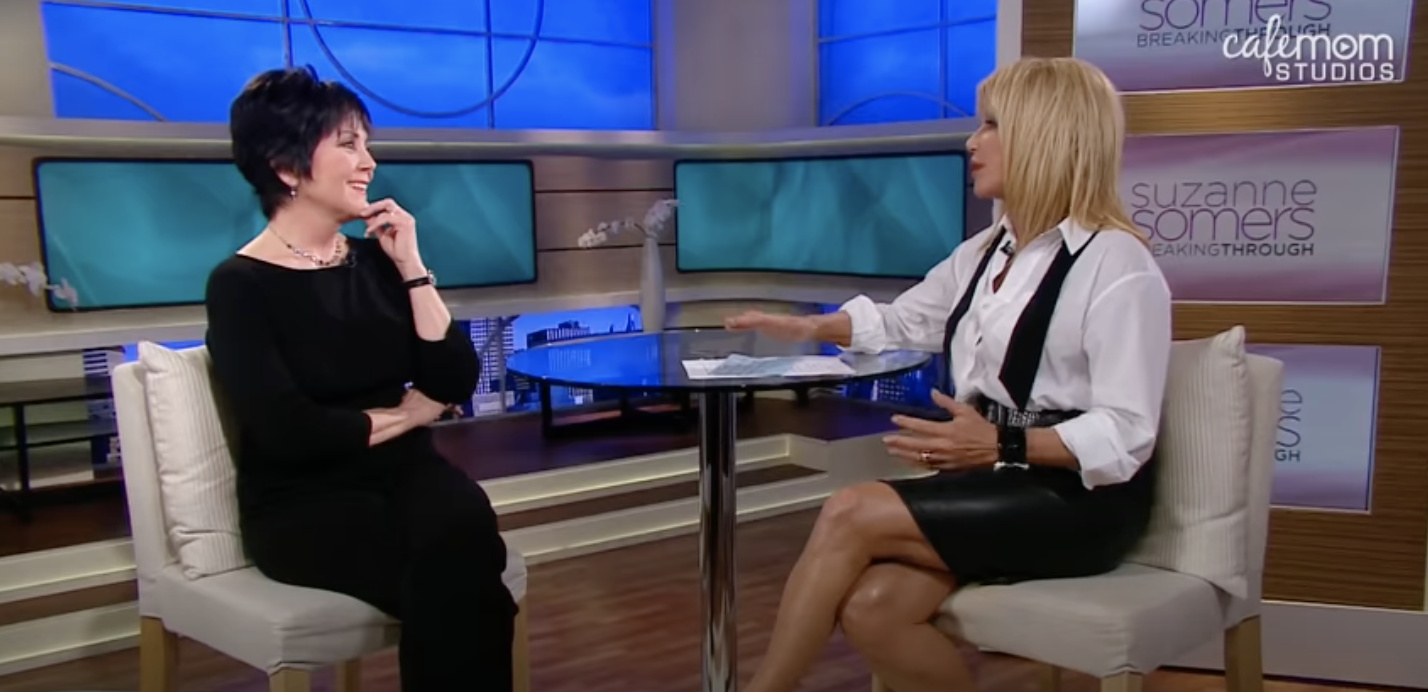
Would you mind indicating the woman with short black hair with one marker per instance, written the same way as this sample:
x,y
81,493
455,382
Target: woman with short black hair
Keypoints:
x,y
314,337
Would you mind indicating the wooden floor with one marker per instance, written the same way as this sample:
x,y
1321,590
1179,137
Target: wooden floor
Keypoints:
x,y
619,621
484,449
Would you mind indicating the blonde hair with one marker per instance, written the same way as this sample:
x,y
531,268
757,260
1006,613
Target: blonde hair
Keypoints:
x,y
1062,130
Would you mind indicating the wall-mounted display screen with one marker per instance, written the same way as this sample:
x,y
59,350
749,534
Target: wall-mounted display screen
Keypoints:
x,y
146,233
883,216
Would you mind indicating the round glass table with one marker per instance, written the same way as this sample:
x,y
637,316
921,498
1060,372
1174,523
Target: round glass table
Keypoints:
x,y
654,362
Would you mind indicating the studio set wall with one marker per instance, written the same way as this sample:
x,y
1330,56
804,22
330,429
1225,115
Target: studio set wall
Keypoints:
x,y
600,101
1286,190
1284,197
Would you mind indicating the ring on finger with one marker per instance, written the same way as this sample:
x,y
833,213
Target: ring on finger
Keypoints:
x,y
925,456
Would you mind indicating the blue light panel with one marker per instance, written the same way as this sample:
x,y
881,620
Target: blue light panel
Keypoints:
x,y
908,60
436,63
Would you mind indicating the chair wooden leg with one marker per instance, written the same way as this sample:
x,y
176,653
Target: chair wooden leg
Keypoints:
x,y
349,676
158,656
1123,682
1048,677
289,680
1244,663
520,657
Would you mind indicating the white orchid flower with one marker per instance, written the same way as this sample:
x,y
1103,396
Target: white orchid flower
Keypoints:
x,y
11,274
655,219
66,293
32,277
659,214
35,279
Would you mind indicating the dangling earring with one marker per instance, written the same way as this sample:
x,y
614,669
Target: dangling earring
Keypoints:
x,y
292,192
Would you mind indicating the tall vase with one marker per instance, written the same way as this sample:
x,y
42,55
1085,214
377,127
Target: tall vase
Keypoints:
x,y
652,288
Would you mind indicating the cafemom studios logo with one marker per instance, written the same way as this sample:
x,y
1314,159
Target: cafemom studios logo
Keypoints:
x,y
1315,57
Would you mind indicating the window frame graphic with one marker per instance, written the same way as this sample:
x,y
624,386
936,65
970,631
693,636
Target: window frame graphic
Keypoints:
x,y
297,15
943,25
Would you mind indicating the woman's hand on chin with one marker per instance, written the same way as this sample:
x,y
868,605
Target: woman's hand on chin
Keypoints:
x,y
395,231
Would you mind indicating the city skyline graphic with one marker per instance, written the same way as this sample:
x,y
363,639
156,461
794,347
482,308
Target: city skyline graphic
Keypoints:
x,y
523,332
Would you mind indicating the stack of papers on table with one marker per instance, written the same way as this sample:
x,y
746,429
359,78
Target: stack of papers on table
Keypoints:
x,y
744,367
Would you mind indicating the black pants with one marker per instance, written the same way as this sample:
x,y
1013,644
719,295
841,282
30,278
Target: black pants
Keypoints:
x,y
418,541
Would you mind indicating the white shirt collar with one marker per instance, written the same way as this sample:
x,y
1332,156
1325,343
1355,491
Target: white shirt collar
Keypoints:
x,y
1071,233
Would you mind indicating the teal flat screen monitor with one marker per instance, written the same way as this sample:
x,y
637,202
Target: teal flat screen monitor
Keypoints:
x,y
892,216
146,233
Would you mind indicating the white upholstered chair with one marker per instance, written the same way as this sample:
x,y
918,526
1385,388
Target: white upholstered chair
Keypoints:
x,y
1198,572
194,580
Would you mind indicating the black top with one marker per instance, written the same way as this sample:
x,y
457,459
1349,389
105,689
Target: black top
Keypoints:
x,y
298,355
650,362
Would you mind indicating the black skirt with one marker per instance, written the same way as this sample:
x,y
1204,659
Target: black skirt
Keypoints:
x,y
1001,526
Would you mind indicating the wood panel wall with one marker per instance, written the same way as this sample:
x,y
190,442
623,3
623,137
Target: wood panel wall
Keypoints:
x,y
1366,560
18,241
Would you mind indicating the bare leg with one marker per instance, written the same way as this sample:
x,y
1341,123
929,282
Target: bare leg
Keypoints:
x,y
888,619
858,525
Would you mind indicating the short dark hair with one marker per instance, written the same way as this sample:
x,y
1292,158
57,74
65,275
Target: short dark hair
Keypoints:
x,y
277,122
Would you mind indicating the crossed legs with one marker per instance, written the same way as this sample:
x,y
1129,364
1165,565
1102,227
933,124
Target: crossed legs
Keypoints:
x,y
866,567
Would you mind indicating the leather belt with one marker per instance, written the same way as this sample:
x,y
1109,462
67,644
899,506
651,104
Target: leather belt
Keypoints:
x,y
1000,415
997,414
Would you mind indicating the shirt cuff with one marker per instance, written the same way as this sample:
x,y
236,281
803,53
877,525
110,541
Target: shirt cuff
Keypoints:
x,y
869,334
1095,443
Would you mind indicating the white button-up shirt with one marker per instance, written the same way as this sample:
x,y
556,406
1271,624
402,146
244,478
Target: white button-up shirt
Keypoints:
x,y
1107,350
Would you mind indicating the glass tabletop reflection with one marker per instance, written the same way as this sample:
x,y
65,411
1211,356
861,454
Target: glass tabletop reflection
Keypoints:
x,y
656,361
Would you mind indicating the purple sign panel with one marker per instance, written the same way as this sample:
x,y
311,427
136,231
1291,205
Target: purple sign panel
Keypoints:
x,y
1272,217
1327,414
1167,45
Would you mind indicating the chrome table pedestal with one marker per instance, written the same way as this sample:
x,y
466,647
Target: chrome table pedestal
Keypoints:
x,y
718,519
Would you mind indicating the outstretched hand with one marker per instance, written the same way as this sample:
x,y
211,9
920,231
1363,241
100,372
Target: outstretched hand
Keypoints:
x,y
966,441
781,327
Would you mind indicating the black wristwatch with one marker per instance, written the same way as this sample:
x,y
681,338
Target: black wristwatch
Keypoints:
x,y
428,280
1011,446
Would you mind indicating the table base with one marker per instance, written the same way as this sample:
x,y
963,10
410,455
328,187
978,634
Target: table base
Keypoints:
x,y
676,415
717,522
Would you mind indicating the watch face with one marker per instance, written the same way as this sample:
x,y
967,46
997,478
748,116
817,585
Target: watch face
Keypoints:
x,y
431,276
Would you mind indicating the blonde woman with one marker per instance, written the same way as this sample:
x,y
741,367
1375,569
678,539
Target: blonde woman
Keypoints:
x,y
1056,321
